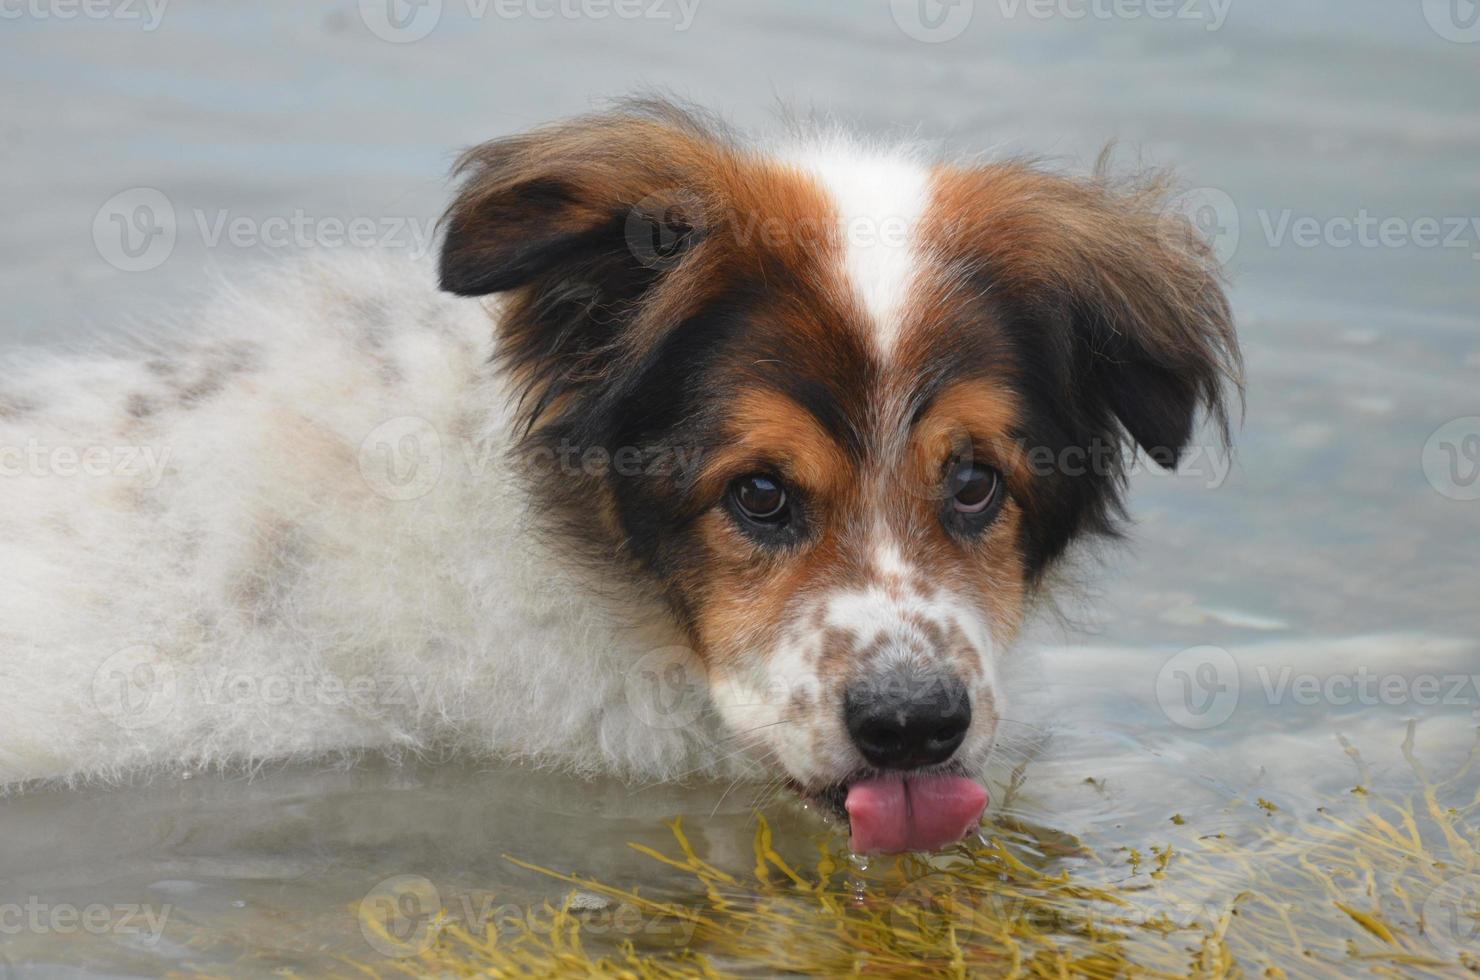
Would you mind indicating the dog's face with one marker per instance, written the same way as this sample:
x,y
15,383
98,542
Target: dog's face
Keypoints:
x,y
855,407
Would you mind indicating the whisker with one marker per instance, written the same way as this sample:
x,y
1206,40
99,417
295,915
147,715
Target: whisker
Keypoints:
x,y
757,728
721,801
768,792
711,764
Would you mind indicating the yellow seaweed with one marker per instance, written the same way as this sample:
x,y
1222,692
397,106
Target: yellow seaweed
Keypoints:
x,y
1340,891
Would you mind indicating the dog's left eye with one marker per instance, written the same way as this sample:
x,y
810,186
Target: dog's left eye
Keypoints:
x,y
975,492
972,487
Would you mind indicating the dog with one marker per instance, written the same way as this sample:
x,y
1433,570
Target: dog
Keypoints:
x,y
691,458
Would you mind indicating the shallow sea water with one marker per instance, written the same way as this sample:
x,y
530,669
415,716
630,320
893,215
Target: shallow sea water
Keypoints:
x,y
1256,655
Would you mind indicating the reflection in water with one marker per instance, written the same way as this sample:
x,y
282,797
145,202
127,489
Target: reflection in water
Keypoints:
x,y
1096,860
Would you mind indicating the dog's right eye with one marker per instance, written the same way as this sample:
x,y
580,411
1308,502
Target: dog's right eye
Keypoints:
x,y
761,499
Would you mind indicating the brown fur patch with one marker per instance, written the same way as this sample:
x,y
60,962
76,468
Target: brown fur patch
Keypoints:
x,y
139,406
1141,284
13,407
767,432
1111,242
974,419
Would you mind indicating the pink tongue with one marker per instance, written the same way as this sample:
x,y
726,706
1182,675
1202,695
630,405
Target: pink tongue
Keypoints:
x,y
891,814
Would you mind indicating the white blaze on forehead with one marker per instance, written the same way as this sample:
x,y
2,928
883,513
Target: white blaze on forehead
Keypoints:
x,y
880,198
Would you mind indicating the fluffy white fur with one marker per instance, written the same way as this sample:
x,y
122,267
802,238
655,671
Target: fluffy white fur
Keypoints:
x,y
260,592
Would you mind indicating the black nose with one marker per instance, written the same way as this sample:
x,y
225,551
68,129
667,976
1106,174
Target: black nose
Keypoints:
x,y
904,722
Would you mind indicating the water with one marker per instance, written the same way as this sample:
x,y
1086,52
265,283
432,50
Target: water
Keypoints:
x,y
1326,583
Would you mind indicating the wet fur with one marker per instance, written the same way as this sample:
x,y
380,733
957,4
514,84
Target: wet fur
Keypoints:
x,y
263,555
520,599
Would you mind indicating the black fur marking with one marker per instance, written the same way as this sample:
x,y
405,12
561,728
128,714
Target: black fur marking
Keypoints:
x,y
1091,396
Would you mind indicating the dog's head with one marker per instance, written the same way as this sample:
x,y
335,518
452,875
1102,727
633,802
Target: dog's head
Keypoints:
x,y
853,406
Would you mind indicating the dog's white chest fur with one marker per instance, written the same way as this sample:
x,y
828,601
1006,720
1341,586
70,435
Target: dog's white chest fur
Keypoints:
x,y
292,529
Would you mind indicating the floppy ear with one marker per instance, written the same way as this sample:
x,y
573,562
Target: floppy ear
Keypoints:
x,y
1159,357
580,220
1117,296
599,186
1150,311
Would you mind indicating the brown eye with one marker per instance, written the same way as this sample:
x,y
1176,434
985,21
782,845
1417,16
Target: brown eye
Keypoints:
x,y
974,488
760,498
